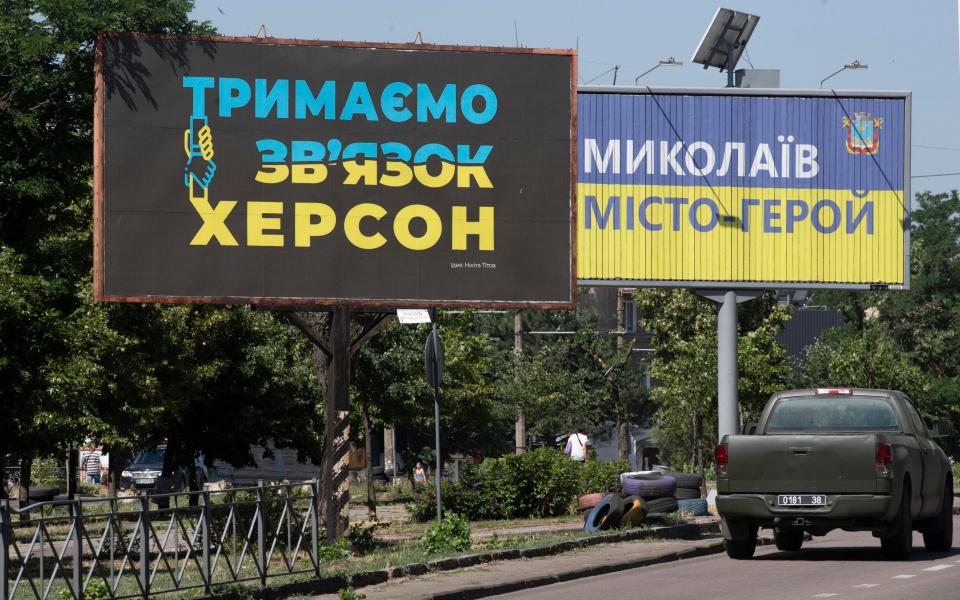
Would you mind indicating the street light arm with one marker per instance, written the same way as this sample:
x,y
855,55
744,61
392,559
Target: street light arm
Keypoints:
x,y
669,61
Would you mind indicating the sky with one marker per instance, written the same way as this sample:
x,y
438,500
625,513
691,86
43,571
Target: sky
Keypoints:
x,y
910,46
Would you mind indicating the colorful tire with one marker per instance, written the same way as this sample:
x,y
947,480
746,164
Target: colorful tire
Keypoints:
x,y
634,511
695,508
683,493
606,514
588,501
687,480
662,506
650,488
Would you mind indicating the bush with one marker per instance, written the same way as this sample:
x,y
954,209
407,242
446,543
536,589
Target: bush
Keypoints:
x,y
541,483
363,536
95,591
452,534
598,476
338,551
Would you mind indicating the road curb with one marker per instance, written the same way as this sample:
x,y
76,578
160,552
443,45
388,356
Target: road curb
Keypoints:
x,y
331,584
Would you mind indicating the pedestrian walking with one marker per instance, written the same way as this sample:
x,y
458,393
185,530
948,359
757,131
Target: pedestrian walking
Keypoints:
x,y
91,464
578,447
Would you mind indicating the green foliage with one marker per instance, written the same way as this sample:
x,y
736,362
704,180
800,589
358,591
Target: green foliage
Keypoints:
x,y
452,534
388,375
541,483
907,340
602,476
52,337
348,593
47,472
362,536
864,358
95,591
684,328
339,550
574,382
238,591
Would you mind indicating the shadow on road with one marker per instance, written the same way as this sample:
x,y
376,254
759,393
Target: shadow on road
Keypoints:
x,y
853,554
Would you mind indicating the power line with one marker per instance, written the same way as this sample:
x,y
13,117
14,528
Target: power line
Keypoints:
x,y
602,74
936,147
933,175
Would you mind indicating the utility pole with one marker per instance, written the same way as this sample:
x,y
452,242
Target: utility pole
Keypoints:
x,y
521,428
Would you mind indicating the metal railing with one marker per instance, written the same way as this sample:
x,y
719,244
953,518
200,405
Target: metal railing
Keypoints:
x,y
138,546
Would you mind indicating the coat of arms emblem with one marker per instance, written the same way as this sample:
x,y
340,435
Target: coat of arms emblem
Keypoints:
x,y
863,133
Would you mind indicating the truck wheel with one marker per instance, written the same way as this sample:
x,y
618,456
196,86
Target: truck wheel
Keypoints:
x,y
938,536
789,540
898,545
741,549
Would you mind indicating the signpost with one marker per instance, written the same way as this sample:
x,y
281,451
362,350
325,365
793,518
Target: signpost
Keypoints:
x,y
433,366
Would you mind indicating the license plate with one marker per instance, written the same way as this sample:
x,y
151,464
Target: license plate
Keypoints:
x,y
142,481
801,500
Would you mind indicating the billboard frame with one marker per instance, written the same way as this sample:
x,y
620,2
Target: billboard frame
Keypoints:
x,y
907,98
316,303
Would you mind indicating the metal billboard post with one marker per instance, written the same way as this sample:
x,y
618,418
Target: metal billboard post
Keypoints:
x,y
727,366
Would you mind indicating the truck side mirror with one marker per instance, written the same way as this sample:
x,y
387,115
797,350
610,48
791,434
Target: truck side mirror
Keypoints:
x,y
749,428
943,428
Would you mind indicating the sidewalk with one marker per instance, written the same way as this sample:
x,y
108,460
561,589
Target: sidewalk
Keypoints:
x,y
507,576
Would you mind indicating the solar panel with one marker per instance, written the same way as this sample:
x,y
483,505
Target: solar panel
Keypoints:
x,y
725,39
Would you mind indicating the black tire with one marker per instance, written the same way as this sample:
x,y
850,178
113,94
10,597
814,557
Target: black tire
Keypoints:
x,y
615,514
899,543
683,493
605,514
741,549
938,535
788,540
662,506
43,494
687,480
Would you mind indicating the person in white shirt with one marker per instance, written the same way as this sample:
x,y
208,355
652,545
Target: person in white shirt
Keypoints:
x,y
578,447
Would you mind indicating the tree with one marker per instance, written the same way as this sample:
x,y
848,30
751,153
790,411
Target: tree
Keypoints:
x,y
908,340
684,328
46,91
388,379
209,379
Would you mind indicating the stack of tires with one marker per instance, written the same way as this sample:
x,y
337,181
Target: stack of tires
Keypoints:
x,y
657,490
611,511
689,497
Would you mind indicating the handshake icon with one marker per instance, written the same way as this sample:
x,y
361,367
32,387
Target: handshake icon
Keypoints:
x,y
198,145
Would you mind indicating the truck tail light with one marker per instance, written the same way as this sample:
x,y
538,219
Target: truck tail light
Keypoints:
x,y
722,457
884,460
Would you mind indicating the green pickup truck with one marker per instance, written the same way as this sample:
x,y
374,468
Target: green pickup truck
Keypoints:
x,y
836,458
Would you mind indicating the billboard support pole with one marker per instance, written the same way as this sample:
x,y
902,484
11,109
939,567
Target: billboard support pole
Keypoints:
x,y
728,413
727,365
339,351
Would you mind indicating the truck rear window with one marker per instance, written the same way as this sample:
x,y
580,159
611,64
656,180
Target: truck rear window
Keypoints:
x,y
832,413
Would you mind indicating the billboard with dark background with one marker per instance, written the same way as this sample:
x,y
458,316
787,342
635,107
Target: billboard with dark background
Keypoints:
x,y
238,170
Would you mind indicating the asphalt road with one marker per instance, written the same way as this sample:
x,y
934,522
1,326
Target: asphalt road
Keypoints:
x,y
839,565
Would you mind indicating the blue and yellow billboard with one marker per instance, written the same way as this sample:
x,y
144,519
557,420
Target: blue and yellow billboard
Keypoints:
x,y
755,188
